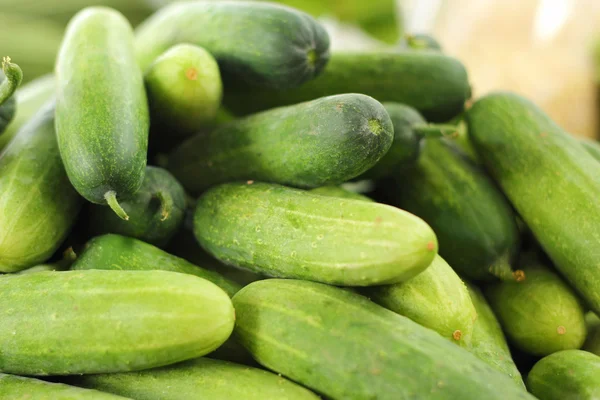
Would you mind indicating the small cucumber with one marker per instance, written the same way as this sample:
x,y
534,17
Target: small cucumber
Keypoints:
x,y
566,375
101,111
436,299
291,233
422,41
263,44
199,379
124,253
338,191
10,78
592,147
344,346
156,210
320,142
592,342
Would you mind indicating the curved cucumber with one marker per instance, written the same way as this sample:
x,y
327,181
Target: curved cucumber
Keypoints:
x,y
259,43
320,142
284,232
338,191
101,111
592,342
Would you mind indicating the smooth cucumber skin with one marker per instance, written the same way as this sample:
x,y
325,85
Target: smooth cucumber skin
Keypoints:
x,y
436,85
291,233
540,314
101,111
592,342
262,44
38,205
344,346
566,375
199,379
20,388
592,147
116,252
338,191
436,298
108,321
550,179
147,220
324,141
474,222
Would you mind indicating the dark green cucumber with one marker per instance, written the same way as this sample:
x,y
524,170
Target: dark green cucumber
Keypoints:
x,y
262,44
474,223
10,78
592,342
14,387
101,111
320,142
156,210
550,179
434,84
38,205
124,253
344,346
108,321
338,191
592,147
285,232
566,375
199,379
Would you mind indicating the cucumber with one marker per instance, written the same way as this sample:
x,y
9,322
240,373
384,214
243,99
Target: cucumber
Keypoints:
x,y
592,147
101,111
474,223
488,341
344,346
436,299
157,210
592,342
21,388
108,321
422,41
539,312
434,84
568,374
550,179
338,191
38,205
10,78
320,142
262,44
199,379
291,233
124,253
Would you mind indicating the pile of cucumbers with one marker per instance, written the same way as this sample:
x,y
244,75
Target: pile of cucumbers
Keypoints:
x,y
215,206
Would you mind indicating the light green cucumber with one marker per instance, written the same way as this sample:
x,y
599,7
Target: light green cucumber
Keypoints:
x,y
422,41
592,342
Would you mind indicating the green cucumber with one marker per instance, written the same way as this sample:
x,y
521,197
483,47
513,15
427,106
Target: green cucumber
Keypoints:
x,y
475,224
20,388
38,204
344,346
592,342
422,41
436,299
291,233
539,312
338,191
550,179
262,44
10,78
320,142
108,321
101,111
592,147
435,84
124,253
199,379
156,210
566,375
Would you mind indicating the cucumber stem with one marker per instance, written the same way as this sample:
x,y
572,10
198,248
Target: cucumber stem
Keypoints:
x,y
14,76
166,202
111,199
435,130
501,268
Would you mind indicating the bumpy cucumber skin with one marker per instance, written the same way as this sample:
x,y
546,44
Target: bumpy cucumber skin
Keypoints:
x,y
145,209
291,233
102,116
116,252
431,82
346,347
592,147
320,142
258,43
39,205
20,388
592,342
550,179
338,191
199,379
117,321
436,298
475,224
566,375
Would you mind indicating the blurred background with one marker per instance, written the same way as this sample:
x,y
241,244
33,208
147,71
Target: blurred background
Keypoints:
x,y
543,49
